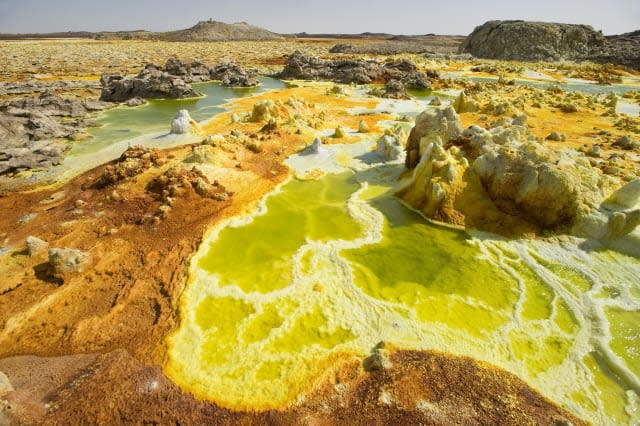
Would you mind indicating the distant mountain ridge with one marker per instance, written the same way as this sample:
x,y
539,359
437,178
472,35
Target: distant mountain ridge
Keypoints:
x,y
202,31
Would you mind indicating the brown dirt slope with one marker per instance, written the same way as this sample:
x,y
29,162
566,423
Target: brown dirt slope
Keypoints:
x,y
419,388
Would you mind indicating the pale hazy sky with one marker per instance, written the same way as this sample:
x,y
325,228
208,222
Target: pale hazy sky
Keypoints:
x,y
313,16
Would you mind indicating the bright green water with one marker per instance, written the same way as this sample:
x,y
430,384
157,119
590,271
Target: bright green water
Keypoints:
x,y
124,123
324,271
257,257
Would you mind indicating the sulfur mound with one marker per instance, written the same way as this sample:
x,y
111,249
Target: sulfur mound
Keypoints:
x,y
182,122
503,180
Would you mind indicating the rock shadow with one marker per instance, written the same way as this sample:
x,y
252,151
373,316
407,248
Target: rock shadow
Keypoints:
x,y
44,273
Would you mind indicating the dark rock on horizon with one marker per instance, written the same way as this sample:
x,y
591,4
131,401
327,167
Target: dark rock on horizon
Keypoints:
x,y
545,41
301,67
396,45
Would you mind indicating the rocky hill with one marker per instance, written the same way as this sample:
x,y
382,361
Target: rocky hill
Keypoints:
x,y
545,41
219,31
532,41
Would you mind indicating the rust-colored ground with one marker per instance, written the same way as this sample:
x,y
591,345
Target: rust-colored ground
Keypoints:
x,y
424,388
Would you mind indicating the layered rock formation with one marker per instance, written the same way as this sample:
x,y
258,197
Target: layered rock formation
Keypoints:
x,y
544,41
503,180
301,67
30,130
31,87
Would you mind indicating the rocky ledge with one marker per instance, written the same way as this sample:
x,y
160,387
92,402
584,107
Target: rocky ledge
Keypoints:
x,y
172,81
32,129
403,73
545,41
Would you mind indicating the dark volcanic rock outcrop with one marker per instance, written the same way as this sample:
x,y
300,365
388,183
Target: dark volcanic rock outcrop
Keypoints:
x,y
29,127
623,49
151,83
172,80
190,73
545,41
301,67
232,75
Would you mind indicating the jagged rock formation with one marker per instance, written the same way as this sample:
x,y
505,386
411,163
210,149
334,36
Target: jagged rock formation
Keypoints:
x,y
151,83
437,124
172,80
301,67
132,162
190,73
232,75
389,148
219,31
29,127
228,73
176,181
544,41
502,179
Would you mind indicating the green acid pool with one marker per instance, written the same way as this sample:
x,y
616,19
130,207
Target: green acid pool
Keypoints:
x,y
337,265
124,123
